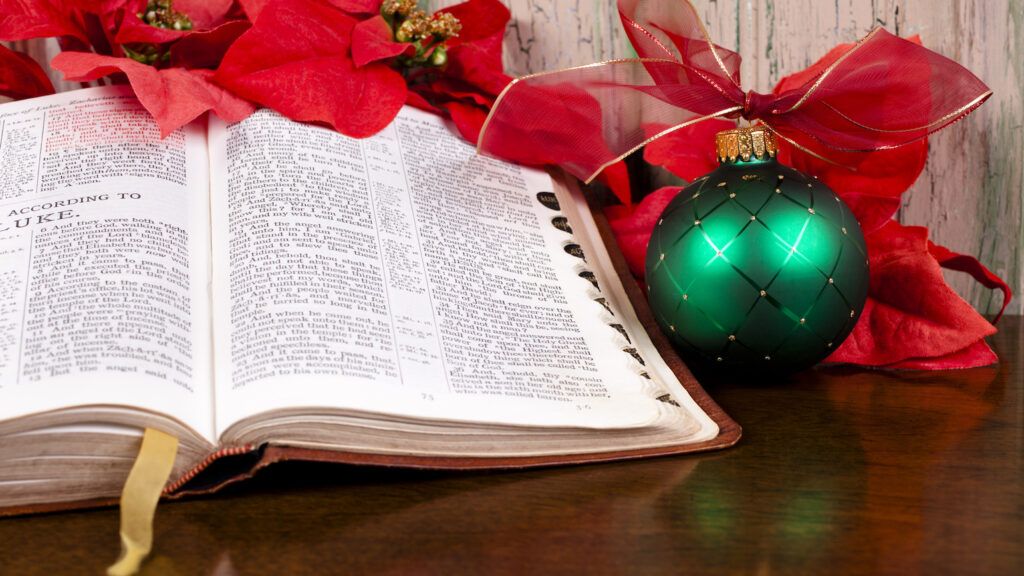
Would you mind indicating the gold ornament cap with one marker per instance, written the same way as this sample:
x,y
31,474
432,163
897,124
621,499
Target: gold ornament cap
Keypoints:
x,y
746,143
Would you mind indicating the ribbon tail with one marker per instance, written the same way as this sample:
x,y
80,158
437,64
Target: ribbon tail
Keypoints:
x,y
141,493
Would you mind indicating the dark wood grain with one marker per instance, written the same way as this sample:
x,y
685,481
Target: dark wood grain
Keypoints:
x,y
839,471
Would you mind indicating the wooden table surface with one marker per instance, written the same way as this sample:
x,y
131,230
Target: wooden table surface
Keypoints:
x,y
838,471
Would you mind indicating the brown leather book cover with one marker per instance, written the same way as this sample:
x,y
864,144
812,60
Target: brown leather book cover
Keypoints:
x,y
237,464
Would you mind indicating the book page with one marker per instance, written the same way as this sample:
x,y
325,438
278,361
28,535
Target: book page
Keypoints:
x,y
104,258
402,274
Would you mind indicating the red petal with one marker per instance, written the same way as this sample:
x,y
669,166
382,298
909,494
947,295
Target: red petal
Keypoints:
x,y
467,118
794,81
578,112
874,190
22,20
687,152
357,6
911,313
633,227
969,264
204,14
372,41
480,19
974,356
253,8
415,100
135,31
479,64
21,76
206,49
458,90
871,184
174,96
616,178
295,60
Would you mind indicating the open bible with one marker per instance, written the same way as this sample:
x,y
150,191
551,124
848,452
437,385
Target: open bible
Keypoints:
x,y
271,290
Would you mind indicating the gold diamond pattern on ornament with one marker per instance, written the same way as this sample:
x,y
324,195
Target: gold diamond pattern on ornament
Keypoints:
x,y
732,335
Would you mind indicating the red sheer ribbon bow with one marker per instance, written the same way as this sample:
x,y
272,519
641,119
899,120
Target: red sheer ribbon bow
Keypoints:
x,y
883,93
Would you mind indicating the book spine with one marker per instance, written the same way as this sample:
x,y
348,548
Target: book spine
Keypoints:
x,y
195,470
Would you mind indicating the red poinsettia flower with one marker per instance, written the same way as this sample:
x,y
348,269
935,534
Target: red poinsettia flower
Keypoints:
x,y
113,37
337,62
912,319
465,89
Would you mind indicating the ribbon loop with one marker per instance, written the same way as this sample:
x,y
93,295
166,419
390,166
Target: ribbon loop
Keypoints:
x,y
881,93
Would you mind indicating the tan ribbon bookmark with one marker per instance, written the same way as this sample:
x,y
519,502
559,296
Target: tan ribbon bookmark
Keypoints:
x,y
141,493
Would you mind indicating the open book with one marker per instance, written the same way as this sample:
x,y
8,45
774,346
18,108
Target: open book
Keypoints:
x,y
271,290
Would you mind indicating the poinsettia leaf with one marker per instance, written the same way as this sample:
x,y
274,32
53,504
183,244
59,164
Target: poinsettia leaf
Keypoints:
x,y
372,40
21,76
174,96
911,313
632,226
688,152
206,48
310,75
480,19
964,263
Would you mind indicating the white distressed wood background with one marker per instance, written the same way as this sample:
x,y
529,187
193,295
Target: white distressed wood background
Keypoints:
x,y
971,195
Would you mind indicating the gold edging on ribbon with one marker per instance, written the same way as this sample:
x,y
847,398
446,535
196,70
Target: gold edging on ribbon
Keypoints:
x,y
141,493
704,31
821,78
711,45
951,117
718,114
805,149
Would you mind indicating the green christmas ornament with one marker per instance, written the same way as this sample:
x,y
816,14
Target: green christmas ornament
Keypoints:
x,y
756,265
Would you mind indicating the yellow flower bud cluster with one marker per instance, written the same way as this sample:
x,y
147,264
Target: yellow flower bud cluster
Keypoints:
x,y
399,7
426,32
